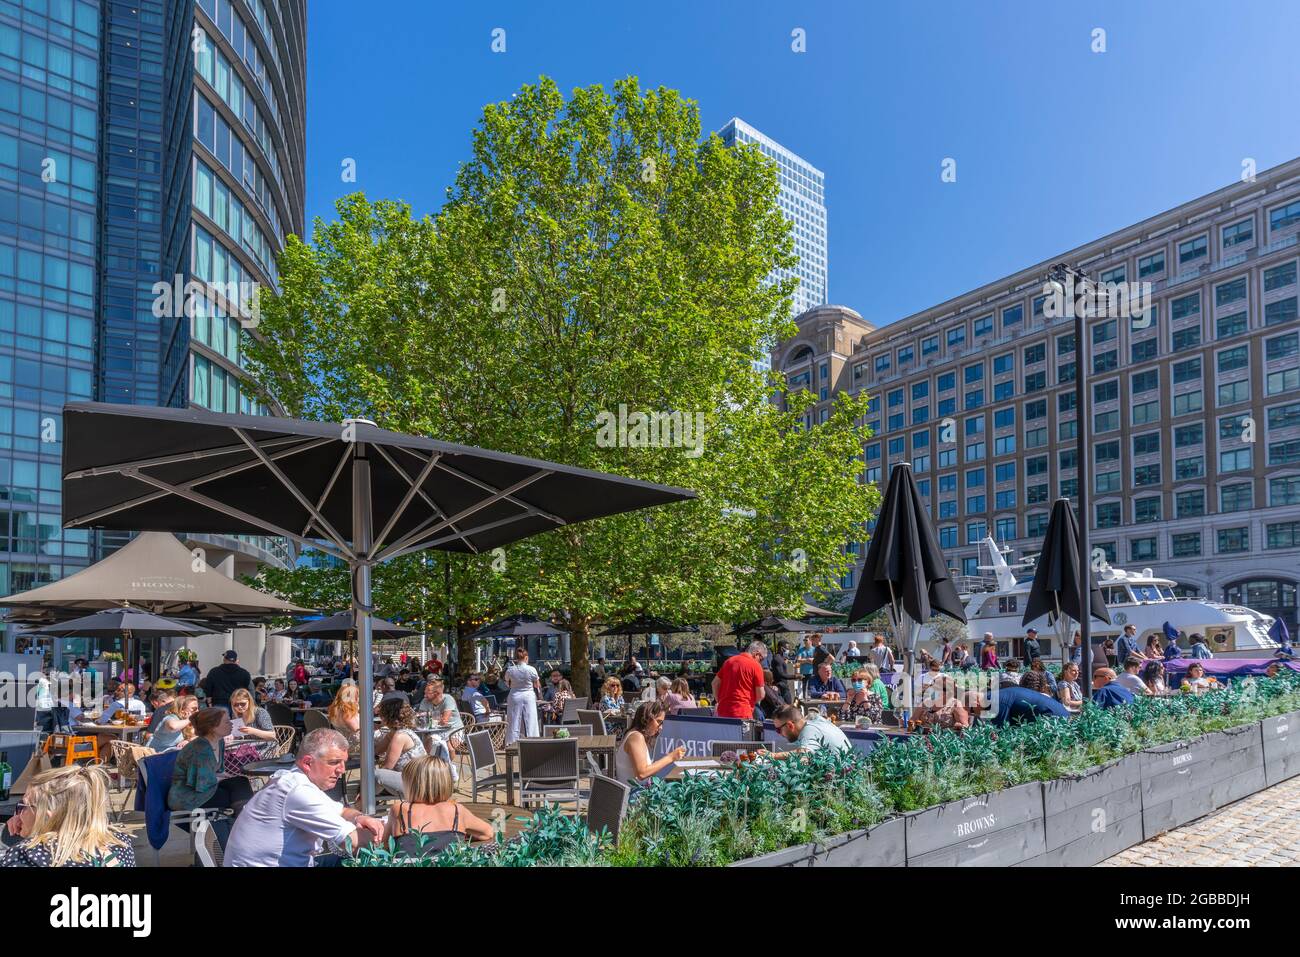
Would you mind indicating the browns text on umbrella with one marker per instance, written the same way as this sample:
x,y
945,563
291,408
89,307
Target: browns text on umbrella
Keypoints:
x,y
1056,587
352,490
904,569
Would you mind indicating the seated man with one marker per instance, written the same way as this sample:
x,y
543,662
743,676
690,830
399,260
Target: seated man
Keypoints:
x,y
1130,679
825,685
1107,692
285,823
1018,705
318,697
442,707
810,733
472,694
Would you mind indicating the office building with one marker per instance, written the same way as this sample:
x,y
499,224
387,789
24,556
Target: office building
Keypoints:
x,y
143,142
803,200
1194,403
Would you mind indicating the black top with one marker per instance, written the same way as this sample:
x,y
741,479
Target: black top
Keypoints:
x,y
819,655
223,681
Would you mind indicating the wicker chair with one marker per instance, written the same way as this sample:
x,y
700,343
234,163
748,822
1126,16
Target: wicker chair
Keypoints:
x,y
459,742
125,755
284,735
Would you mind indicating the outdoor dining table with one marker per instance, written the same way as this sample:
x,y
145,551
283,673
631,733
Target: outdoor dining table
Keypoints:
x,y
688,766
268,766
122,731
600,745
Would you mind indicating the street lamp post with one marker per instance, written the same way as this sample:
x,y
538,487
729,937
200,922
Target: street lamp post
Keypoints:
x,y
1072,286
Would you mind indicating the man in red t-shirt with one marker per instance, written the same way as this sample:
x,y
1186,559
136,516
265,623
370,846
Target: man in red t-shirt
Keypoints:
x,y
738,685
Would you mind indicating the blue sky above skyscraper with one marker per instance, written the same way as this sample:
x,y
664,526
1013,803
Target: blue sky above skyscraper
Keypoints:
x,y
1054,144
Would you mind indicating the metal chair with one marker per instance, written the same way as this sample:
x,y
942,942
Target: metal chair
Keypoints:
x,y
548,771
458,743
593,718
313,720
483,757
695,712
280,714
716,748
571,708
206,846
607,806
575,730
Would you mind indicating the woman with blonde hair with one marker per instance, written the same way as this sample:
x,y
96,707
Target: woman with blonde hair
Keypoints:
x,y
345,714
250,720
611,695
63,822
678,696
175,730
429,820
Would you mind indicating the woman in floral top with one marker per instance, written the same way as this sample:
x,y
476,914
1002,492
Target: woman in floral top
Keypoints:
x,y
554,709
864,701
63,822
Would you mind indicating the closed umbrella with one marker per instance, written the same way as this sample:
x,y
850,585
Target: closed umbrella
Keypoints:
x,y
904,571
1056,590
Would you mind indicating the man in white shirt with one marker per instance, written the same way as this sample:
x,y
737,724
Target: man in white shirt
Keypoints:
x,y
1129,678
472,694
286,823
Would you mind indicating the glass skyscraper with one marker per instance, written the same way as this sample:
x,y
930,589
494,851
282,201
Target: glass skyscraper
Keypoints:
x,y
803,200
141,143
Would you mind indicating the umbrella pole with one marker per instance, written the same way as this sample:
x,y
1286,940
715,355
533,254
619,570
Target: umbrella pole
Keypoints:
x,y
361,608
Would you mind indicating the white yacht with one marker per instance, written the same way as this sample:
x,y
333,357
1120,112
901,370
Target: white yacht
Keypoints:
x,y
997,603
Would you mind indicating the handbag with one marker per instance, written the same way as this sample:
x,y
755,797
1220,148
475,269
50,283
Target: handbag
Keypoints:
x,y
38,762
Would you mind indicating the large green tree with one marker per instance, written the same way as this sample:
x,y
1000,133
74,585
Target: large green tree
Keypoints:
x,y
594,253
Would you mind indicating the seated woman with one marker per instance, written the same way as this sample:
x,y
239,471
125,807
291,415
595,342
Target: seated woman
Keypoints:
x,y
398,745
1067,688
194,780
345,715
62,821
941,707
1195,681
864,701
553,710
1153,676
772,699
679,694
176,730
251,721
611,696
632,759
430,820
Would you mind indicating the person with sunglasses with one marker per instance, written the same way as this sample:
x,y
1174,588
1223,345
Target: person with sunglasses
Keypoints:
x,y
809,732
63,821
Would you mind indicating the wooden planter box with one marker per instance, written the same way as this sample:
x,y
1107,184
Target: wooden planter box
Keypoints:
x,y
1281,739
884,845
1237,766
999,830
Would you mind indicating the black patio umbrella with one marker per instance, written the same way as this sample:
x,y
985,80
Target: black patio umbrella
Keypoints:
x,y
351,489
904,571
647,625
343,627
772,625
1056,590
130,625
516,626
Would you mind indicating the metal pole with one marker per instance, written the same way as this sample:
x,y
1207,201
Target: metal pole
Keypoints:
x,y
361,608
1081,471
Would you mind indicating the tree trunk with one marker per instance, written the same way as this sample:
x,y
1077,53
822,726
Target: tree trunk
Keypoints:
x,y
579,654
465,658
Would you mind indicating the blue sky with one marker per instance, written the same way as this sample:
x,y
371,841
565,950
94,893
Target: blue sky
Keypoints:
x,y
1054,144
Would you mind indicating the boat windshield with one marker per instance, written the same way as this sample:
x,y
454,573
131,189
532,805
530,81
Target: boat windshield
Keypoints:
x,y
1168,593
1146,593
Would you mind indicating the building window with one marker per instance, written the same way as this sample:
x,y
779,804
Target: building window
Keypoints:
x,y
1234,540
896,422
1011,317
1035,438
929,345
1142,549
921,464
1146,509
1105,391
1005,472
1190,504
1192,250
1279,277
1036,465
905,355
948,509
1066,430
1104,332
1234,460
956,337
1185,306
1064,345
1188,402
920,414
1188,435
1006,529
976,451
1284,416
1236,498
1188,338
1230,360
1105,422
1146,475
1035,353
947,458
1282,347
1065,372
1187,545
1003,391
1238,233
1106,452
1284,310
947,382
1187,370
1225,327
976,532
947,483
1037,494
1109,514
1036,525
1284,453
896,446
1105,362
1151,265
948,536
1282,535
1189,468
1036,410
1004,445
1283,216
1068,459
920,440
983,325
1284,491
1284,380
1005,418
1005,499
1147,381
1145,350
1004,363
920,390
1066,401
1145,413
1230,292
973,374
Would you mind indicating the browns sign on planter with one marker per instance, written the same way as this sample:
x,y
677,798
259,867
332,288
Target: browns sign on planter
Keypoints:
x,y
1281,747
998,829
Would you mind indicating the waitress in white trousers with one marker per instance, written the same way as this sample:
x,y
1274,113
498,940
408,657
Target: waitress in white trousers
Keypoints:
x,y
521,707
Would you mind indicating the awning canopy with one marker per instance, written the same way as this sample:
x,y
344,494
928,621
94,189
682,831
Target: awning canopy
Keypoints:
x,y
190,470
155,572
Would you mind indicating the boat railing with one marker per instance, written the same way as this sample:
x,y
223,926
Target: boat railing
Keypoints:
x,y
974,584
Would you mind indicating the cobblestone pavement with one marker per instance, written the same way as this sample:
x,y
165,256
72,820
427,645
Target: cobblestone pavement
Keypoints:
x,y
1258,831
